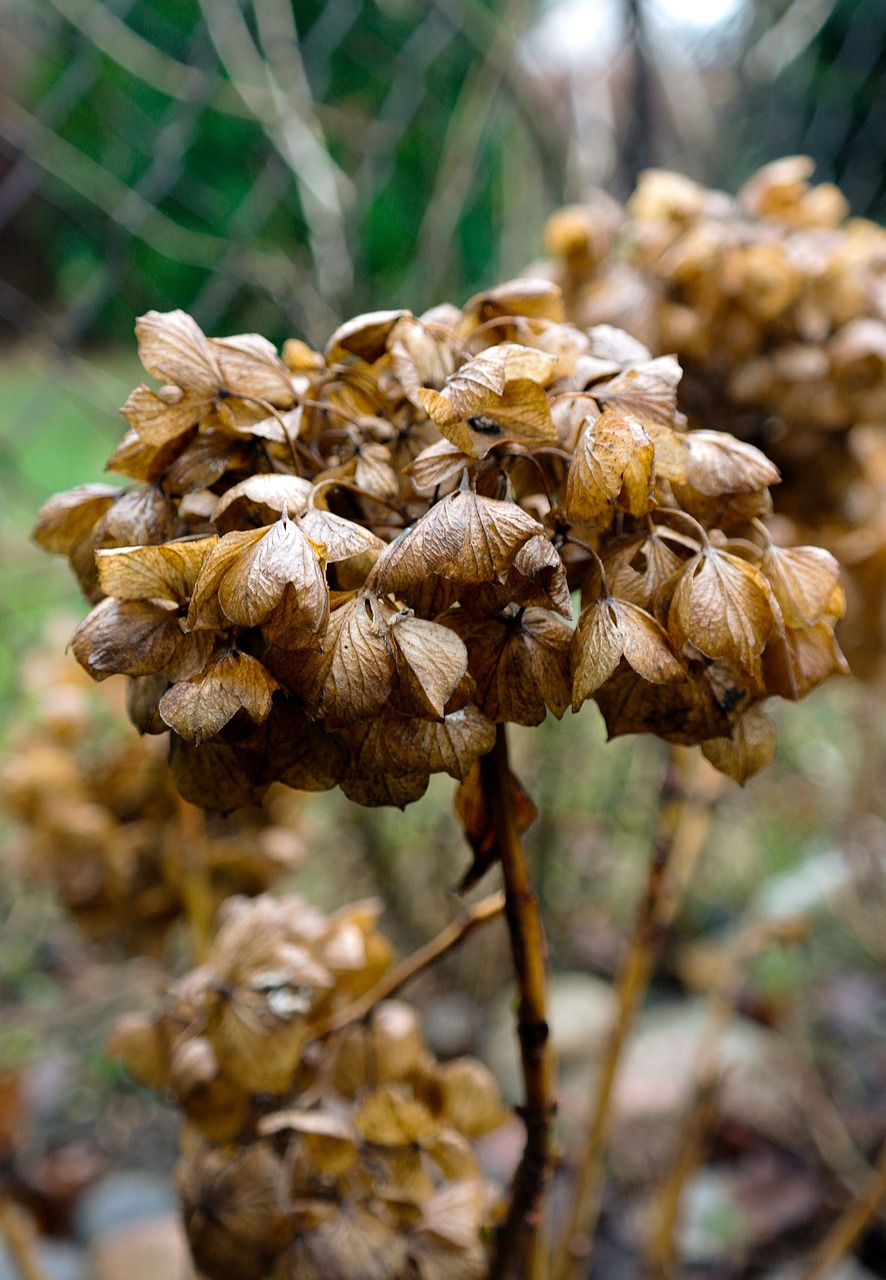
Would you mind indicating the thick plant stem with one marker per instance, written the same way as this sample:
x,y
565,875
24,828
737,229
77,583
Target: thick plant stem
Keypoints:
x,y
515,1242
682,825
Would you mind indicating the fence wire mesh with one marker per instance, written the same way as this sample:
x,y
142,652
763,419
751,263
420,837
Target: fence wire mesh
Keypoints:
x,y
278,164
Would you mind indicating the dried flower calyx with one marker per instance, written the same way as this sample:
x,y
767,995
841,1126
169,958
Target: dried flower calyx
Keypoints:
x,y
345,569
348,1155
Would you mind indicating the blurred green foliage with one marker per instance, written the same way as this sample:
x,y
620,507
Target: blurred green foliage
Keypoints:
x,y
162,183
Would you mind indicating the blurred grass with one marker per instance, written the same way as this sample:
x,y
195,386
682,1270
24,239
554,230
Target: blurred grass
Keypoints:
x,y
58,424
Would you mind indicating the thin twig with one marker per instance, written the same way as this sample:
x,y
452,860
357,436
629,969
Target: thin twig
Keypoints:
x,y
515,1239
453,934
661,1251
681,827
849,1226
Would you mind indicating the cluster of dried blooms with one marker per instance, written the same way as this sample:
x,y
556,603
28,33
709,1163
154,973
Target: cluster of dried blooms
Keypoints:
x,y
775,303
305,1154
347,568
94,813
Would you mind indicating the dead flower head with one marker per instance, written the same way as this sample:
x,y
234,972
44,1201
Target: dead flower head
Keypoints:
x,y
345,568
304,1154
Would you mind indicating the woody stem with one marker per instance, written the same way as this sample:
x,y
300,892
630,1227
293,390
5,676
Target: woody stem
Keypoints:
x,y
515,1238
680,830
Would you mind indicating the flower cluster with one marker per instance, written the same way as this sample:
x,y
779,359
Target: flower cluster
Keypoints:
x,y
307,1154
346,568
95,814
775,303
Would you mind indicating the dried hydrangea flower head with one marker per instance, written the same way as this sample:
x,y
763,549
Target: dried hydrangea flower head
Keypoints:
x,y
775,303
347,568
95,814
305,1154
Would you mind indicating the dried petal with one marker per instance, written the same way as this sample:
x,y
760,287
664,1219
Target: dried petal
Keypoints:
x,y
718,463
471,1100
605,451
464,537
724,608
365,336
611,629
66,518
803,580
340,538
438,467
166,572
260,500
138,638
389,1117
449,746
198,708
173,348
649,391
161,417
681,711
350,680
749,749
431,661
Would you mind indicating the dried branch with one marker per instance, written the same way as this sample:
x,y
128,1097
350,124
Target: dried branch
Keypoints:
x,y
516,1236
683,820
661,1252
292,125
454,934
849,1226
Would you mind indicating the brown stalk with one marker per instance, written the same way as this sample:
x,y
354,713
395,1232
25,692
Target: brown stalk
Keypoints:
x,y
661,1256
515,1241
851,1223
683,821
18,1232
196,888
453,934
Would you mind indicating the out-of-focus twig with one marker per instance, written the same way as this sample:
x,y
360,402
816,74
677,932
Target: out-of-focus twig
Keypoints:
x,y
16,1229
291,125
682,824
454,934
144,60
661,1251
458,160
849,1226
127,208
